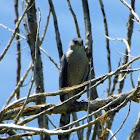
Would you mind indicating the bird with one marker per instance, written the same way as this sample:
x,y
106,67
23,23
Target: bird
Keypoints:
x,y
74,69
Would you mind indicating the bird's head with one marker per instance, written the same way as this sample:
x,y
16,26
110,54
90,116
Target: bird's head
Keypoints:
x,y
76,44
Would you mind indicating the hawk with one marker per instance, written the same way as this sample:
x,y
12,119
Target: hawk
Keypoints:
x,y
74,68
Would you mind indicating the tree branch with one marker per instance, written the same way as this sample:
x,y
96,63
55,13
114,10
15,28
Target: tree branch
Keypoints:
x,y
94,105
75,19
15,31
58,39
98,81
132,11
17,95
107,44
16,89
135,133
46,27
121,104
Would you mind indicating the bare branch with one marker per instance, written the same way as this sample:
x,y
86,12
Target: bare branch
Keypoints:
x,y
135,133
46,27
95,105
17,87
19,84
111,133
79,133
60,132
132,11
122,40
50,58
115,81
89,51
17,95
58,39
122,122
99,113
98,81
130,25
15,31
18,136
107,43
75,19
25,103
34,44
23,37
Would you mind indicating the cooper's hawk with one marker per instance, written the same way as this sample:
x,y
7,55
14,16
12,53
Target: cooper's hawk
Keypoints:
x,y
74,69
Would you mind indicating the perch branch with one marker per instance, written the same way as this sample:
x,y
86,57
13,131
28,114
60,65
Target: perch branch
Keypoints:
x,y
60,132
98,81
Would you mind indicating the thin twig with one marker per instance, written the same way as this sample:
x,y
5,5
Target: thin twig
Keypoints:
x,y
51,122
46,27
18,34
130,26
115,81
37,33
122,40
18,136
129,70
17,87
15,31
135,133
75,19
107,43
25,103
132,11
79,133
89,118
50,58
111,133
131,79
125,55
122,122
57,34
19,84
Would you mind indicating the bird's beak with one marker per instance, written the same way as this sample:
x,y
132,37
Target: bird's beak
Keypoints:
x,y
81,43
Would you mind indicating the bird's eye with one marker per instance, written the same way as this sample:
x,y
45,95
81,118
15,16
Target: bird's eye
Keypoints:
x,y
82,42
75,41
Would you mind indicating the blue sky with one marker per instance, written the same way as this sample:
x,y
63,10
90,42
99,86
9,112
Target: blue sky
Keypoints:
x,y
117,16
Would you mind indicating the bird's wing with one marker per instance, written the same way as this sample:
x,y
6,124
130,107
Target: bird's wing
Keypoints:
x,y
86,73
63,72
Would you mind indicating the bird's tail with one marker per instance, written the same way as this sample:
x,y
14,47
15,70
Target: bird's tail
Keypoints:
x,y
64,120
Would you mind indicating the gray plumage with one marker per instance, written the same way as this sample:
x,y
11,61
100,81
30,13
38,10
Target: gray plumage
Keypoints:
x,y
74,69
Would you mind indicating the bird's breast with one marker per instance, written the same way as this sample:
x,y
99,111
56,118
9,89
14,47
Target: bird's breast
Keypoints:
x,y
77,62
